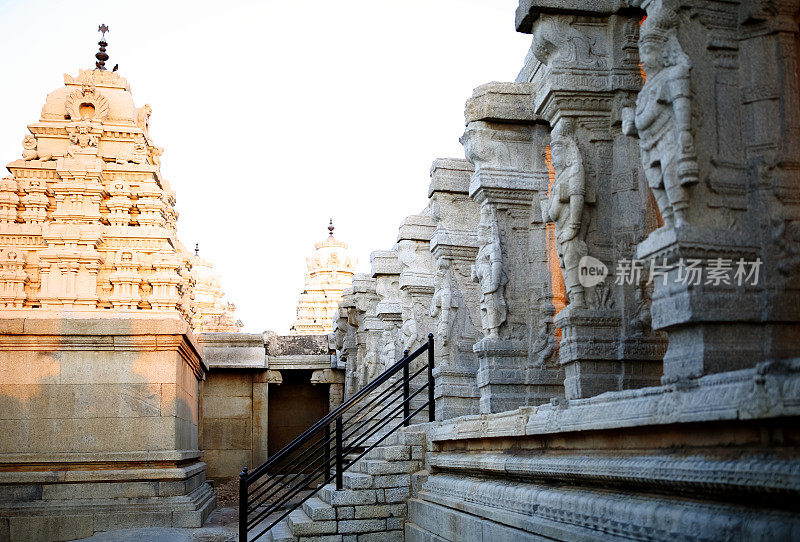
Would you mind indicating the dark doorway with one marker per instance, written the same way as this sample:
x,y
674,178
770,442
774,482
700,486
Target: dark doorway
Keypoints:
x,y
294,406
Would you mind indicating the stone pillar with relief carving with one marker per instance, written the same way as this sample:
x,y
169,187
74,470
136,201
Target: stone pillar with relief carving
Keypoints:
x,y
346,344
584,73
454,305
365,324
386,272
718,124
506,140
417,268
416,279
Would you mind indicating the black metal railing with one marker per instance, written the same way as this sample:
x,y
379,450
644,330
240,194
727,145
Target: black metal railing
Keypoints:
x,y
333,444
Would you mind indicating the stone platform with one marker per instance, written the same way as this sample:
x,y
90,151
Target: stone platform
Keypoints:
x,y
98,425
716,459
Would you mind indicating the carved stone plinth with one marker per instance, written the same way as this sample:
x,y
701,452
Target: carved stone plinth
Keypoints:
x,y
590,353
712,327
501,375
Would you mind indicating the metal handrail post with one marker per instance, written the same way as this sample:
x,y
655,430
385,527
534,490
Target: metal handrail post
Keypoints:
x,y
243,505
339,468
326,453
431,403
406,391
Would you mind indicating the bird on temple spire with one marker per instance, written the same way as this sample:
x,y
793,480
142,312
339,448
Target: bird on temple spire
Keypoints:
x,y
102,56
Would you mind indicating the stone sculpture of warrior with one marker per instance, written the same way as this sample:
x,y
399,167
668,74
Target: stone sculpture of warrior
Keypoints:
x,y
388,354
662,118
443,301
488,272
408,331
567,207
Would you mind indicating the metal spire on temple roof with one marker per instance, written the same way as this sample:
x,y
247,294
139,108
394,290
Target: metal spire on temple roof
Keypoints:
x,y
330,227
197,249
102,56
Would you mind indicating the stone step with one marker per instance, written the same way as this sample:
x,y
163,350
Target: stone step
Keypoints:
x,y
390,453
318,510
356,480
406,438
347,497
280,533
377,466
301,525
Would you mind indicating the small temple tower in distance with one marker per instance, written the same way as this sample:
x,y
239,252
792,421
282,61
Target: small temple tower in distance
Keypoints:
x,y
213,313
329,271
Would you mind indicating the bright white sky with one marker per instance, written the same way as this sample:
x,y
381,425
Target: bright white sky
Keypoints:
x,y
275,115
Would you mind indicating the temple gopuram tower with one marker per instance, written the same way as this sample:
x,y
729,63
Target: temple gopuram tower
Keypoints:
x,y
213,313
328,272
99,366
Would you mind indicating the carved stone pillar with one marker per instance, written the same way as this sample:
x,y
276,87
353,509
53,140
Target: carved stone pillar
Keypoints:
x,y
584,73
416,290
455,300
719,131
416,279
386,272
12,279
8,200
365,301
164,282
506,141
347,327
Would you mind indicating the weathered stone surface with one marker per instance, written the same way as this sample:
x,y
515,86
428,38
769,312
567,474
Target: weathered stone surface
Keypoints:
x,y
233,350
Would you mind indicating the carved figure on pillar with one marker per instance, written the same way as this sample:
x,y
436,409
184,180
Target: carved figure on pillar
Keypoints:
x,y
559,42
662,118
408,331
488,272
443,303
371,361
567,207
388,355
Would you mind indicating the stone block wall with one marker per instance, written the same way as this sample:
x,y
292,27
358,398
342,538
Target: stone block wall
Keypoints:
x,y
226,428
234,398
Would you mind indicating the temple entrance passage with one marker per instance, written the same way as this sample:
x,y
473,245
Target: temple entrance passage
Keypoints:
x,y
294,406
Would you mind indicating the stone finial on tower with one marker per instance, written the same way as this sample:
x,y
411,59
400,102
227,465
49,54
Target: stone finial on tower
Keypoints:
x,y
330,227
102,56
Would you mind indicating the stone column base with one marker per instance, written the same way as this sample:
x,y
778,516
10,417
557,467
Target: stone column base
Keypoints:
x,y
501,374
456,392
591,357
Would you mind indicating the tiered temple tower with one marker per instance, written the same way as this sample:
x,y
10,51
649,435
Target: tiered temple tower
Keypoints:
x,y
88,222
329,271
213,313
99,368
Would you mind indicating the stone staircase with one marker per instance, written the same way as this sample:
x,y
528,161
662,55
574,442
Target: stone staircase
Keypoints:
x,y
371,506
